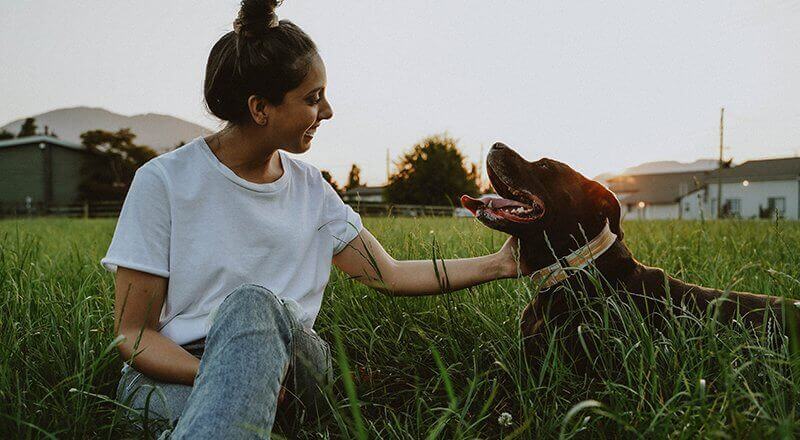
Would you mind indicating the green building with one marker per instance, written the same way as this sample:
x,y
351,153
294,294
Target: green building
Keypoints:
x,y
39,172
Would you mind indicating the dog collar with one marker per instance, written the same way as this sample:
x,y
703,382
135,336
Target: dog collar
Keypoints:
x,y
555,273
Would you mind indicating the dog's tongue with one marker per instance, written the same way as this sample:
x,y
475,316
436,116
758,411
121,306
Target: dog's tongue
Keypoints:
x,y
473,204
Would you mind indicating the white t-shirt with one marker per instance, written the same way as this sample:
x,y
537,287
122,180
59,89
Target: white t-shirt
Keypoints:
x,y
190,218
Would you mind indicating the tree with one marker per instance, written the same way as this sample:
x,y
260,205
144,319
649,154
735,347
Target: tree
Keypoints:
x,y
5,134
354,178
115,160
48,132
178,145
28,128
328,178
433,173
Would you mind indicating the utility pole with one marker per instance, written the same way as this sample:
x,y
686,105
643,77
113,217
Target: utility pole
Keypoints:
x,y
721,164
387,166
480,168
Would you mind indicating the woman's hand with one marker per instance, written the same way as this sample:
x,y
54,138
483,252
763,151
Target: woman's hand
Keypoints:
x,y
511,265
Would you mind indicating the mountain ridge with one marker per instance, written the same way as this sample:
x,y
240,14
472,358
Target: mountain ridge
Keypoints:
x,y
160,132
662,167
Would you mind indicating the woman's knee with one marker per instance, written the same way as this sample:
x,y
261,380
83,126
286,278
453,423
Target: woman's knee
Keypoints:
x,y
248,295
251,302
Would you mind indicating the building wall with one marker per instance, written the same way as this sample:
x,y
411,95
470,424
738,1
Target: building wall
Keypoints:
x,y
664,211
374,198
22,171
67,165
750,197
695,206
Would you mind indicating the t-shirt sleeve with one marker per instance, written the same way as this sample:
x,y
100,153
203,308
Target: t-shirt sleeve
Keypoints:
x,y
142,235
338,219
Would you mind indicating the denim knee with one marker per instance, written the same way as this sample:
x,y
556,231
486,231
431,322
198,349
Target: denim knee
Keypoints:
x,y
248,295
251,303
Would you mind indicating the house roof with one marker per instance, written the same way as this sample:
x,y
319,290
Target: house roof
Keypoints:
x,y
37,139
364,191
661,188
787,168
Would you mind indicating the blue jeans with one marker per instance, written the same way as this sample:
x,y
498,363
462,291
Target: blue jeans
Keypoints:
x,y
255,344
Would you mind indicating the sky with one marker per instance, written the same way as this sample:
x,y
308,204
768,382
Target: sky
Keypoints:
x,y
600,86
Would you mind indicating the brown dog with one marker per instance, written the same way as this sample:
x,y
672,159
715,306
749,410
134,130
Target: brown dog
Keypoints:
x,y
557,212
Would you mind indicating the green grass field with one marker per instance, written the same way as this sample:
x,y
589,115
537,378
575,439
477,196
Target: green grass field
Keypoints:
x,y
443,366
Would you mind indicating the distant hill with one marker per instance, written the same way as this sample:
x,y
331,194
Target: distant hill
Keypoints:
x,y
671,166
160,132
662,166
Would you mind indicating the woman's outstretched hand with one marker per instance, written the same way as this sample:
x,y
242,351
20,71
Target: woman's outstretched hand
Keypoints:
x,y
512,265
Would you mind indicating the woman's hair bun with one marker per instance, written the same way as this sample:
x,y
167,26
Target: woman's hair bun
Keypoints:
x,y
255,16
255,59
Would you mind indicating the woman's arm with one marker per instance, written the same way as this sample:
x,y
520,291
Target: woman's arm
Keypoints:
x,y
418,277
137,307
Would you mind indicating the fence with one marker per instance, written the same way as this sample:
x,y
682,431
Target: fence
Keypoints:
x,y
85,210
112,209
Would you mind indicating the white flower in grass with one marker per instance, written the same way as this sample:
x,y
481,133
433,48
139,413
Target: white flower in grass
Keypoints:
x,y
797,304
702,387
505,419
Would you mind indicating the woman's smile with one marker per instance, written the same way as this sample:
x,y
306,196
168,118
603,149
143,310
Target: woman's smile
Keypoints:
x,y
311,131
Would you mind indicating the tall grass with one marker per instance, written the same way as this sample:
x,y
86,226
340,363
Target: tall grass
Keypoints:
x,y
443,366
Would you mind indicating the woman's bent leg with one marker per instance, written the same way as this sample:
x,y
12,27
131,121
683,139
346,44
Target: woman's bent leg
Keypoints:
x,y
246,355
155,405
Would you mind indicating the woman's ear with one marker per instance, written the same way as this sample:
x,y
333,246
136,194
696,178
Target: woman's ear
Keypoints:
x,y
606,204
259,109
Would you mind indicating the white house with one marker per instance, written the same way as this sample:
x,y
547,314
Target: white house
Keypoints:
x,y
364,194
654,196
754,189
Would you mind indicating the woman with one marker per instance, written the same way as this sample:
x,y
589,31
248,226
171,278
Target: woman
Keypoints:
x,y
223,247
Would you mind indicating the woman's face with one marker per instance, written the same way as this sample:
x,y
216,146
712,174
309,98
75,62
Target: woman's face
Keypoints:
x,y
294,122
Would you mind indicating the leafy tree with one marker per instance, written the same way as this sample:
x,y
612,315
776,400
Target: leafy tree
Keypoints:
x,y
178,145
48,132
328,178
108,175
28,128
354,178
5,134
433,173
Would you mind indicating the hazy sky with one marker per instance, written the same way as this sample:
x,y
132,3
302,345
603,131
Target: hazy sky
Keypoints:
x,y
601,86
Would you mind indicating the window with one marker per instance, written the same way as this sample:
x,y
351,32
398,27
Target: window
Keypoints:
x,y
686,207
777,205
733,208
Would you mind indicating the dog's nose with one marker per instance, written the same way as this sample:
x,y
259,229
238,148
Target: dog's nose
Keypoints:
x,y
499,146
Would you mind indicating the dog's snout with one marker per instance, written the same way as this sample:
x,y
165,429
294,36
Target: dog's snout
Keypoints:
x,y
499,146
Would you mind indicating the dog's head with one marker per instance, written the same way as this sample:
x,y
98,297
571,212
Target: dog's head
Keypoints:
x,y
543,197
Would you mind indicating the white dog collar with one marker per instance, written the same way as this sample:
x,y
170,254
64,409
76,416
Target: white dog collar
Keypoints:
x,y
555,273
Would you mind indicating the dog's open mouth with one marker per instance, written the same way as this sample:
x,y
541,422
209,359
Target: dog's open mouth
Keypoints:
x,y
511,210
511,204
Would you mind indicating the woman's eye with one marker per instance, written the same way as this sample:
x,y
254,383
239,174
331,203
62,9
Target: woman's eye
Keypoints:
x,y
315,99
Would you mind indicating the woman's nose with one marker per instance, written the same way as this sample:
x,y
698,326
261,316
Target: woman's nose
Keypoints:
x,y
327,111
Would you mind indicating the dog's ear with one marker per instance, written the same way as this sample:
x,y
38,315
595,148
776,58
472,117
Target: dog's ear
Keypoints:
x,y
606,205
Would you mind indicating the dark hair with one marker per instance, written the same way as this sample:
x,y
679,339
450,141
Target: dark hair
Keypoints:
x,y
257,60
